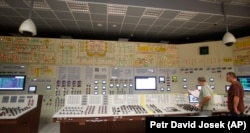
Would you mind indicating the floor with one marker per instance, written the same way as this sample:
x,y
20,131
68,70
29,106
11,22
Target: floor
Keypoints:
x,y
49,128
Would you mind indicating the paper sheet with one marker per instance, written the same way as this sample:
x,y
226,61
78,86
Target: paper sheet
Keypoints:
x,y
195,93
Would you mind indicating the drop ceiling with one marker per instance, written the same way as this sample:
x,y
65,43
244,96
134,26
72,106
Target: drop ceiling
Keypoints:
x,y
168,21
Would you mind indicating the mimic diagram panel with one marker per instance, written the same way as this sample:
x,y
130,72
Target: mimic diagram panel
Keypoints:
x,y
27,50
55,68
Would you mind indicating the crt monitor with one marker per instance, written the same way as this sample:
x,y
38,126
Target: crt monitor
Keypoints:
x,y
193,99
245,81
161,79
32,89
12,82
145,83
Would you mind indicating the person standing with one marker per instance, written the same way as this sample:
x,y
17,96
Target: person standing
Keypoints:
x,y
206,98
235,96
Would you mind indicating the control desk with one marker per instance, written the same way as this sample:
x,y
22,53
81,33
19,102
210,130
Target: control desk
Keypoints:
x,y
122,113
20,113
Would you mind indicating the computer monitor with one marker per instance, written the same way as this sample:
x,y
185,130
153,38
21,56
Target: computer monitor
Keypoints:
x,y
32,89
193,99
12,82
145,83
245,81
161,79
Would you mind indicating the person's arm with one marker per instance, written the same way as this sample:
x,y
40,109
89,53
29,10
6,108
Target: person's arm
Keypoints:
x,y
204,100
236,103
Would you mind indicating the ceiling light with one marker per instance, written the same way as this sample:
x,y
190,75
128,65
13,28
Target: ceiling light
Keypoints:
x,y
152,12
28,27
117,9
228,38
185,15
79,7
38,4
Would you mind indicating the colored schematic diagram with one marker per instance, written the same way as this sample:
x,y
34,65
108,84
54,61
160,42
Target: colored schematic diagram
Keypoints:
x,y
242,58
124,53
97,53
39,71
96,48
147,54
26,50
144,60
242,52
66,51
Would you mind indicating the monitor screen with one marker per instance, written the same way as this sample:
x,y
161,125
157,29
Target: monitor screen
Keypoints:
x,y
12,82
161,79
32,89
227,87
193,99
145,83
245,81
198,87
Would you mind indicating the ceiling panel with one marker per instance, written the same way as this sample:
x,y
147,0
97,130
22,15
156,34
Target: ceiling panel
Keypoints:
x,y
99,17
131,20
64,15
98,8
82,16
45,14
135,11
136,20
117,19
168,14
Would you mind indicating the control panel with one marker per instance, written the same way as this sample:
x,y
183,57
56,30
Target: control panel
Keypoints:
x,y
122,105
14,106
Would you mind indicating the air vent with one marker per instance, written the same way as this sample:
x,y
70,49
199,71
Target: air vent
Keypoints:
x,y
3,3
152,12
38,4
185,15
117,9
78,7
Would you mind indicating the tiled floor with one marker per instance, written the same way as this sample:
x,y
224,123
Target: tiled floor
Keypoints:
x,y
49,128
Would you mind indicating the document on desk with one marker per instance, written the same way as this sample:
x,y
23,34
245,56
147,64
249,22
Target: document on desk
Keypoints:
x,y
195,93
